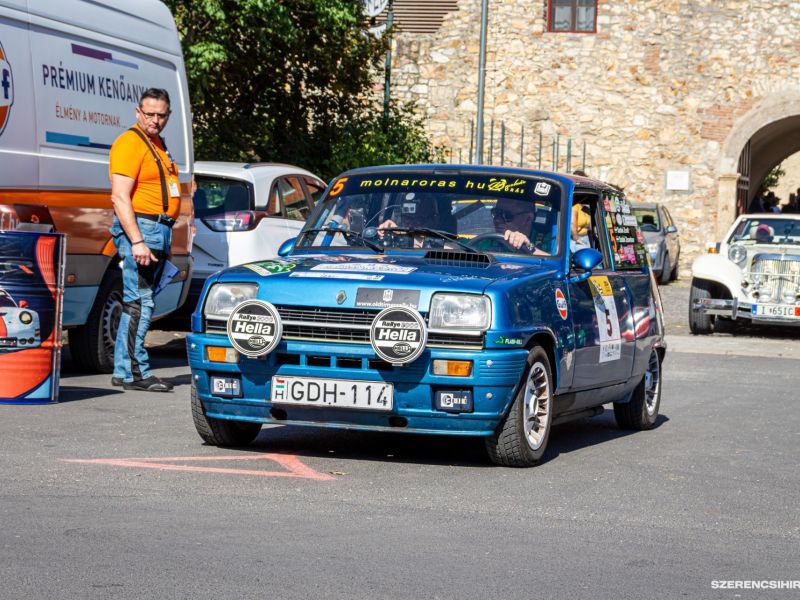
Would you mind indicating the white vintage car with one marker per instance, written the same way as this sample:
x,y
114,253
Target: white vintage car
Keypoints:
x,y
753,274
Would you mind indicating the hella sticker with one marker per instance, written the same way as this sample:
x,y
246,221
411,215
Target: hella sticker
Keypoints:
x,y
398,335
254,328
561,304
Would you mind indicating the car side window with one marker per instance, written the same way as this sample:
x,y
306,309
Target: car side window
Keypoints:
x,y
315,189
274,203
586,230
294,199
628,252
217,195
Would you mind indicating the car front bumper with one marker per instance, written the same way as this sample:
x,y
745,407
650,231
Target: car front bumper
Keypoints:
x,y
734,309
494,378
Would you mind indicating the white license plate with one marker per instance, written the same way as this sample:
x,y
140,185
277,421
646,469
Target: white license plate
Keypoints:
x,y
784,311
340,393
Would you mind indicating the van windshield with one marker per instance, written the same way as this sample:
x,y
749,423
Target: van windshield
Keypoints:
x,y
406,210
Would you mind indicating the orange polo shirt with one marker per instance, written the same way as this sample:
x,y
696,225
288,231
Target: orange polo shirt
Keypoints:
x,y
131,157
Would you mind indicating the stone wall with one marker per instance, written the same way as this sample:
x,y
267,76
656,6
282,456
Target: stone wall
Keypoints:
x,y
661,87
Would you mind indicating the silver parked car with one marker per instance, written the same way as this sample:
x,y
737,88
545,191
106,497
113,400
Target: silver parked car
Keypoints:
x,y
662,239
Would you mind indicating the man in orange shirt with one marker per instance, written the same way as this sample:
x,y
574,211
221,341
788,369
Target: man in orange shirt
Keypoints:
x,y
146,196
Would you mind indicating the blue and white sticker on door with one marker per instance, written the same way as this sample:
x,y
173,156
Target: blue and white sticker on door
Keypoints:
x,y
607,318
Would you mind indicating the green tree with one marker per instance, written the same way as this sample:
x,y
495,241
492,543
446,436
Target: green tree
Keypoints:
x,y
773,177
289,81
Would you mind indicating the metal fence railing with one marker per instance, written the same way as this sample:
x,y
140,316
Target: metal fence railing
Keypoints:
x,y
514,146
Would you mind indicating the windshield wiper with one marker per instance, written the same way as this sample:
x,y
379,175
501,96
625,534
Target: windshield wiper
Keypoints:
x,y
433,233
349,236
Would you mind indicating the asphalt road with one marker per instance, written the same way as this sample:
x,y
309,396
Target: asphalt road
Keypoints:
x,y
148,511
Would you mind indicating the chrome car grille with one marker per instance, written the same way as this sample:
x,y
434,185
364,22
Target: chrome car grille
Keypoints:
x,y
344,325
775,275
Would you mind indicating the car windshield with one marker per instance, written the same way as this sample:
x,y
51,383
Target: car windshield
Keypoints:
x,y
6,301
407,210
767,231
647,218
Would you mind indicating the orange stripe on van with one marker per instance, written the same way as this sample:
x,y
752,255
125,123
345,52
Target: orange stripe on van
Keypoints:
x,y
86,216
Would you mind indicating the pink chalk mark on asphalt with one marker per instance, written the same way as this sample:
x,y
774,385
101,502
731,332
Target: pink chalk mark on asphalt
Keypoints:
x,y
293,465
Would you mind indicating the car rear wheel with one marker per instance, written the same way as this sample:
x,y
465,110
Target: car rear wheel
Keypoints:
x,y
91,345
218,432
674,275
666,272
641,411
522,437
699,322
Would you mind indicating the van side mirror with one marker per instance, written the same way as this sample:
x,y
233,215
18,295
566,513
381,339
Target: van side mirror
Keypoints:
x,y
672,229
585,259
286,247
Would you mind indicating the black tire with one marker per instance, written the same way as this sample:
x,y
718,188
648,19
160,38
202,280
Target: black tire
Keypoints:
x,y
514,444
674,275
641,411
666,272
700,323
218,432
91,345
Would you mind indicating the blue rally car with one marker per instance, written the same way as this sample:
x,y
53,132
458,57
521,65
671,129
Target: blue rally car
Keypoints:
x,y
437,299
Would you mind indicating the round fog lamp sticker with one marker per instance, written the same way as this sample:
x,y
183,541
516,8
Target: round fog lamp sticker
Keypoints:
x,y
254,328
398,335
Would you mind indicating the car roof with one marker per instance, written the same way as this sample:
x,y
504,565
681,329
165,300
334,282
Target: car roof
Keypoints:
x,y
248,171
576,180
646,205
769,216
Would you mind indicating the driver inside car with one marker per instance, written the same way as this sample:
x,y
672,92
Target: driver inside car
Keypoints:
x,y
512,219
414,213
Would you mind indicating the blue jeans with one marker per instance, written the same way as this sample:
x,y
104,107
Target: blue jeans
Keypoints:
x,y
130,358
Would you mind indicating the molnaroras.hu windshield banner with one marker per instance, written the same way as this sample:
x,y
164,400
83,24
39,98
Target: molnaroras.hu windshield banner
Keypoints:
x,y
31,293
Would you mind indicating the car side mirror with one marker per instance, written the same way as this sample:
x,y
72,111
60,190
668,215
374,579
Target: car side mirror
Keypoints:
x,y
672,229
286,247
585,259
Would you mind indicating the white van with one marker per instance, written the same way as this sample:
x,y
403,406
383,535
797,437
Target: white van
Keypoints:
x,y
71,75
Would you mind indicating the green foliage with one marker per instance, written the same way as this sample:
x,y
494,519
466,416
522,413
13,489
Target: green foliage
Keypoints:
x,y
289,81
773,177
370,140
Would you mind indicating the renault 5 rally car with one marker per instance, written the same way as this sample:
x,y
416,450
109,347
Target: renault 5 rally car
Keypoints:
x,y
436,299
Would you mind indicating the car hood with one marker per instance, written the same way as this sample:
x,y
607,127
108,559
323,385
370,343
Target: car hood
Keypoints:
x,y
331,280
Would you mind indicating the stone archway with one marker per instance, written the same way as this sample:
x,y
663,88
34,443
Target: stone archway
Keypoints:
x,y
772,127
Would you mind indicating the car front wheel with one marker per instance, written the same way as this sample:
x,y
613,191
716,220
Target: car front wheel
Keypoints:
x,y
218,432
699,322
521,439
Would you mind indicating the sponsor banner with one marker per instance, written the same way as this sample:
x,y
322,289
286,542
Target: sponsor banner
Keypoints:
x,y
254,328
31,296
398,335
354,267
323,275
607,319
384,298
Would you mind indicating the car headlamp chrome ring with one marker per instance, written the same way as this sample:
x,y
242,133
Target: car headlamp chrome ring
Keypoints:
x,y
737,253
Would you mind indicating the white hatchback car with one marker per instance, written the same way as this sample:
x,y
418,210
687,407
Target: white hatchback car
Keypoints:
x,y
244,212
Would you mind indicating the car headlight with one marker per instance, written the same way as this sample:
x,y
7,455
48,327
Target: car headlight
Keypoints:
x,y
737,254
459,311
652,248
223,297
25,317
764,293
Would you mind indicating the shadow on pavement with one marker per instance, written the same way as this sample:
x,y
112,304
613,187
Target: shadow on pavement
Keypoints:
x,y
427,449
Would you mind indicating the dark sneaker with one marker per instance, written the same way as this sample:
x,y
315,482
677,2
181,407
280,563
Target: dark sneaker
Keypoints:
x,y
149,384
116,381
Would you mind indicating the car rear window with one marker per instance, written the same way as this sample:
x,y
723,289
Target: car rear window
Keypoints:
x,y
217,195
